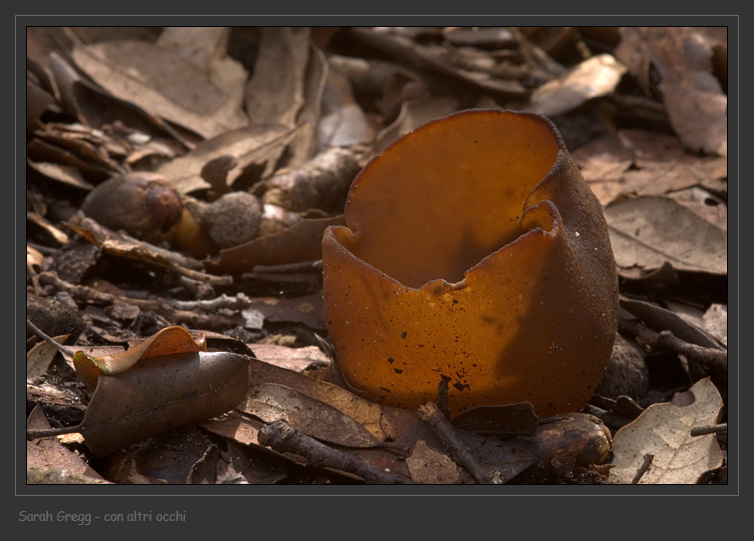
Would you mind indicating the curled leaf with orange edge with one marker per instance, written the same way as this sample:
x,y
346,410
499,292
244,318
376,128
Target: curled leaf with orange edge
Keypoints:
x,y
475,256
165,342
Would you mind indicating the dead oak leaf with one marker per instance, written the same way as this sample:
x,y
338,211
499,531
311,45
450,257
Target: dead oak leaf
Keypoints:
x,y
664,431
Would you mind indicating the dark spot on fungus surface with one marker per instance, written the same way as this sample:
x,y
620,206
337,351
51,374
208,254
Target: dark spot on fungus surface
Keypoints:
x,y
398,370
505,250
390,360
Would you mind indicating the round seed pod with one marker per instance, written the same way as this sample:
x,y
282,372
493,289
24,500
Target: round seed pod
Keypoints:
x,y
475,259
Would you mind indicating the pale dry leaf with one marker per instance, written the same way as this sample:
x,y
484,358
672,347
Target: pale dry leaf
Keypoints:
x,y
364,411
256,145
430,467
271,401
63,173
40,357
664,431
342,122
200,45
641,162
295,359
34,257
275,91
646,232
705,205
207,47
162,81
304,144
715,321
42,222
592,78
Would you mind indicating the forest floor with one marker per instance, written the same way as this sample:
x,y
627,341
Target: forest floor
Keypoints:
x,y
180,181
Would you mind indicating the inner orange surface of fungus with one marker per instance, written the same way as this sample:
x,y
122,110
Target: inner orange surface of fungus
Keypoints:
x,y
474,253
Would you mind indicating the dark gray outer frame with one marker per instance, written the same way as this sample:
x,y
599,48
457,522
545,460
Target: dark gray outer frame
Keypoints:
x,y
480,510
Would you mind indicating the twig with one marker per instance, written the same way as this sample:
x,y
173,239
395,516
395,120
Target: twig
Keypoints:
x,y
52,432
159,306
642,469
283,438
711,429
432,415
714,360
39,332
125,246
239,302
304,266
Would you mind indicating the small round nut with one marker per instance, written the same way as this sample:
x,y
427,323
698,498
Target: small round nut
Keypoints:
x,y
145,205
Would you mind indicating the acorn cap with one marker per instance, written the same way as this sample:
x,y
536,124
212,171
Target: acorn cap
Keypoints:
x,y
231,220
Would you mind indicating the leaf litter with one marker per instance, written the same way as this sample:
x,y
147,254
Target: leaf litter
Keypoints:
x,y
107,103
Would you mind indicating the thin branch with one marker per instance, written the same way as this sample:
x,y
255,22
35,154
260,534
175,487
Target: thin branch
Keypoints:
x,y
51,432
714,360
39,332
283,438
304,266
432,415
642,469
711,429
159,306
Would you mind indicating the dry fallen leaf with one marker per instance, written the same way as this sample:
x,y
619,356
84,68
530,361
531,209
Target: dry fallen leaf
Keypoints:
x,y
295,359
427,466
364,411
592,78
646,232
256,146
694,99
39,358
163,81
160,394
641,162
168,341
715,322
50,453
664,431
270,402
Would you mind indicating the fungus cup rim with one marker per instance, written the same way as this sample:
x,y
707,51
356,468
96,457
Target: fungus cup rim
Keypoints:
x,y
553,174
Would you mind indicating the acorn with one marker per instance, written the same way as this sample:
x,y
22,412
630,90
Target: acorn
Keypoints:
x,y
145,205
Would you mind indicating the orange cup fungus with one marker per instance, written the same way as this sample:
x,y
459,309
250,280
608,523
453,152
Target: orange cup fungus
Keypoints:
x,y
474,253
